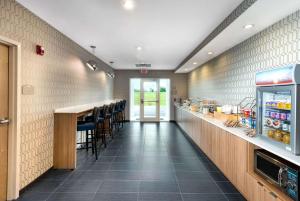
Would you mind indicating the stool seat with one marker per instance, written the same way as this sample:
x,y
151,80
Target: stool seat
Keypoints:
x,y
80,122
86,126
100,120
89,118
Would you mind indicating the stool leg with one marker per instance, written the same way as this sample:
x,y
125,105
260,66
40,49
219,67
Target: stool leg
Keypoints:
x,y
104,141
103,134
87,140
110,129
93,147
94,143
118,121
123,119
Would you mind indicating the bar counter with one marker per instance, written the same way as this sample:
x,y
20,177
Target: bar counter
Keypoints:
x,y
65,129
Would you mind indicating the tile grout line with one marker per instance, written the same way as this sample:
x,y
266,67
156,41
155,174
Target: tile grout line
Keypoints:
x,y
61,184
142,156
176,179
219,188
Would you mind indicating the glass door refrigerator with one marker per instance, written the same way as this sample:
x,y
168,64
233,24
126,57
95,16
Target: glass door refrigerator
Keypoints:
x,y
278,108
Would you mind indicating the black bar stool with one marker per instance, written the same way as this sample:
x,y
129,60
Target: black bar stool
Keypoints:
x,y
92,127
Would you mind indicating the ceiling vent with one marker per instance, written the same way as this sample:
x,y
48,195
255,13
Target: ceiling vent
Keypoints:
x,y
143,65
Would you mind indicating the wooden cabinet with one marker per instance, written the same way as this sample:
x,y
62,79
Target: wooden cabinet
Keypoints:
x,y
215,146
239,162
270,196
230,154
257,191
205,138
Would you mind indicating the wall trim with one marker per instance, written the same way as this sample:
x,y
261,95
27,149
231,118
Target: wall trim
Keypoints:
x,y
14,138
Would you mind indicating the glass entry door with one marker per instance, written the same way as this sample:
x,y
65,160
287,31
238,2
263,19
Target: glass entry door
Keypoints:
x,y
155,90
150,100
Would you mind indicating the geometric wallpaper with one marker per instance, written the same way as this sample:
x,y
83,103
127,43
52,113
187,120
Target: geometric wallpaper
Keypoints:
x,y
59,78
230,77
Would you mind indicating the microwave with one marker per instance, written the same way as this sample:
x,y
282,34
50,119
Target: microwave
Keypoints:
x,y
278,171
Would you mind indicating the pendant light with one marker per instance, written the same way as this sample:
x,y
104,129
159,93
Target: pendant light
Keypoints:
x,y
91,63
110,74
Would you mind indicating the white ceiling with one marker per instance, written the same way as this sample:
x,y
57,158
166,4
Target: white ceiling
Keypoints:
x,y
262,14
167,30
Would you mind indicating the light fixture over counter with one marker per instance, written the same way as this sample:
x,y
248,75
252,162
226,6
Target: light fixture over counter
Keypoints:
x,y
92,65
110,74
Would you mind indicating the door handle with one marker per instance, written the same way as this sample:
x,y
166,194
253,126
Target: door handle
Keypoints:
x,y
4,121
273,194
259,183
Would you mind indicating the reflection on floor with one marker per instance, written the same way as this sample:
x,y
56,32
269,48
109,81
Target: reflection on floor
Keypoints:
x,y
145,162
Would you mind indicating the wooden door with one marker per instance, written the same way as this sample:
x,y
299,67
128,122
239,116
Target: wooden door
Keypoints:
x,y
240,164
256,190
215,143
223,151
230,157
3,125
270,196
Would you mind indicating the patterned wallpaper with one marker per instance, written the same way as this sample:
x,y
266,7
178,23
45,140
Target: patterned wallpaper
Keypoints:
x,y
59,78
231,76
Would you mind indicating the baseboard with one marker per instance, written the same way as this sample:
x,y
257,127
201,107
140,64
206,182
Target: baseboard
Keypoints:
x,y
35,180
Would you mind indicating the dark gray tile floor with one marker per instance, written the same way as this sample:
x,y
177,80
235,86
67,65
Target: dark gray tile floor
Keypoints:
x,y
145,162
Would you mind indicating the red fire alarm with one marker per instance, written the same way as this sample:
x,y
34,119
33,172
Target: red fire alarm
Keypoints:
x,y
40,50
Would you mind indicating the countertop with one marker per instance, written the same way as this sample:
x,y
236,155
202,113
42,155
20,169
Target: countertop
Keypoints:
x,y
240,132
83,108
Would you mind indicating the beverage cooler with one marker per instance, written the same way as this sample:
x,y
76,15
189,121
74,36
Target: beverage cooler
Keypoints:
x,y
278,108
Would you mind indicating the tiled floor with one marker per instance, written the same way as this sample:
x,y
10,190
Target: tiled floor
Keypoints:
x,y
145,162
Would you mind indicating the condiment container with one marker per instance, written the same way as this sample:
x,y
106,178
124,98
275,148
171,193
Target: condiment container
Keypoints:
x,y
205,110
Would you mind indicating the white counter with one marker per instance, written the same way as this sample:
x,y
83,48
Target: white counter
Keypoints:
x,y
83,108
258,141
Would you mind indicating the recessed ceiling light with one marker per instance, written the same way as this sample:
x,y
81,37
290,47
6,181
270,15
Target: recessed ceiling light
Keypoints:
x,y
129,4
210,53
248,26
195,63
139,48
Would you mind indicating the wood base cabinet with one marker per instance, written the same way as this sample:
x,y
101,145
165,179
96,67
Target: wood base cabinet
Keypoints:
x,y
257,191
229,153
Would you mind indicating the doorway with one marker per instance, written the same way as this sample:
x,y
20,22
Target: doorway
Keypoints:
x,y
4,113
10,103
149,99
